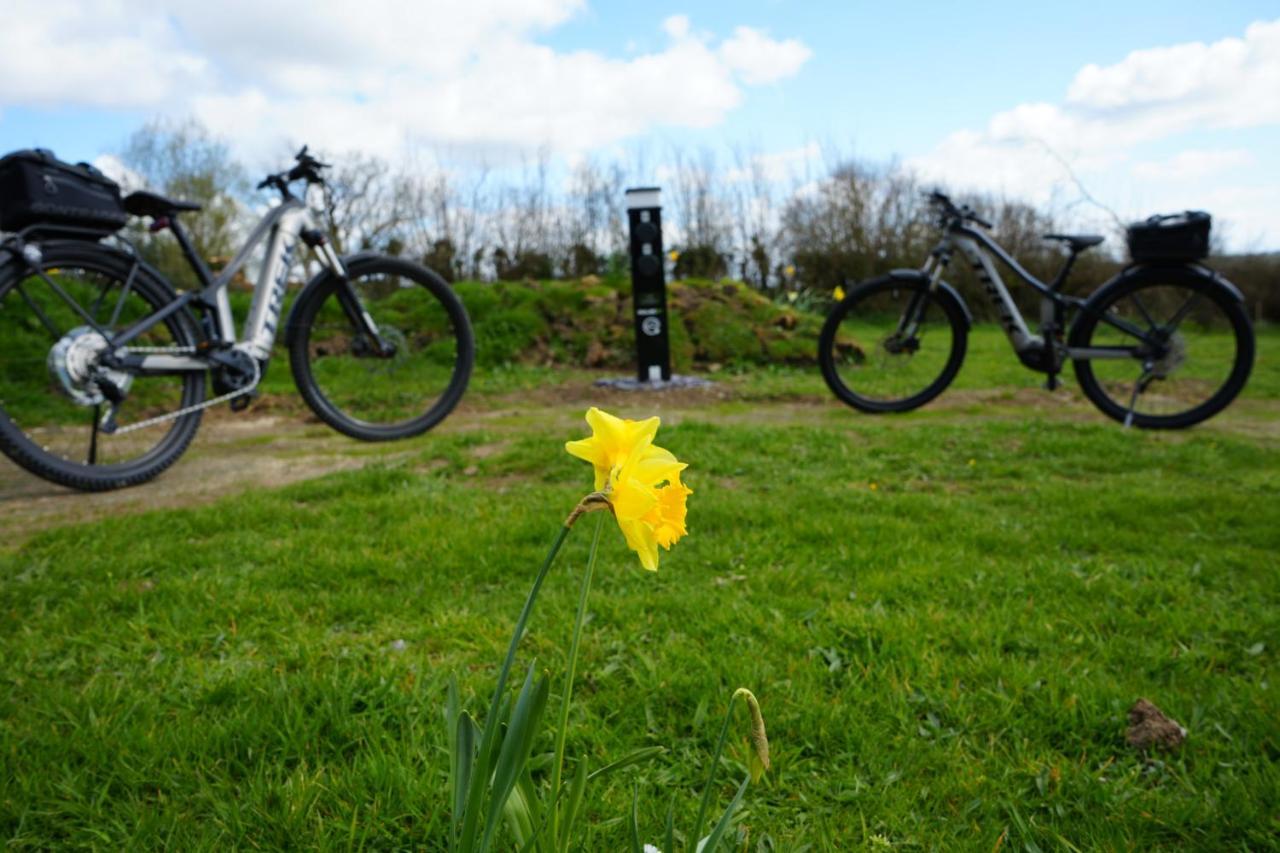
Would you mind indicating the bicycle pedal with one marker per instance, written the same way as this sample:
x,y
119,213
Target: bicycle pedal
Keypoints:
x,y
239,404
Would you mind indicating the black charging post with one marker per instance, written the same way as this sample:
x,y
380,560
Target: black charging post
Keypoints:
x,y
648,285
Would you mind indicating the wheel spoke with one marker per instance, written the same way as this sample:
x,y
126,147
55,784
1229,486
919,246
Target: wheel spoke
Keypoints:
x,y
1182,312
124,294
1125,326
39,312
1146,315
102,295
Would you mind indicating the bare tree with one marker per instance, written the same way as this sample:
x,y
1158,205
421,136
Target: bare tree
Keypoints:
x,y
183,160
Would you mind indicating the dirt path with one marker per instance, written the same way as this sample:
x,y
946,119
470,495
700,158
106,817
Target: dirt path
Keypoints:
x,y
277,445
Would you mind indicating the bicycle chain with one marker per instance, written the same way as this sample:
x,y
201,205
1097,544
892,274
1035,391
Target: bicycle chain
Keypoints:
x,y
186,410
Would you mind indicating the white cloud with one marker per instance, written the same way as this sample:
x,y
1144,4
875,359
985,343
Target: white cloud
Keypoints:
x,y
377,74
759,59
676,26
1111,114
1193,164
111,166
55,53
777,167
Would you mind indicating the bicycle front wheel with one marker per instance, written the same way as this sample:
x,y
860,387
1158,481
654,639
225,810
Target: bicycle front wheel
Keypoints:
x,y
55,392
892,345
363,391
1163,348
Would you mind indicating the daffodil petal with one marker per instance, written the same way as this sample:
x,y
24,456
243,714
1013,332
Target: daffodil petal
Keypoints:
x,y
640,539
654,465
631,498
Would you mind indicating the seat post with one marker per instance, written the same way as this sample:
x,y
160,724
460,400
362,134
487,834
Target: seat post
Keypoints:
x,y
1061,277
189,252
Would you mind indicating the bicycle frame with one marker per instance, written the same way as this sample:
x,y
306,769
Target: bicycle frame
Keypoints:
x,y
978,248
282,228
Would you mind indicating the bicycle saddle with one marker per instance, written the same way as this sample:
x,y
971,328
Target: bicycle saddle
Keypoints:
x,y
143,203
1076,242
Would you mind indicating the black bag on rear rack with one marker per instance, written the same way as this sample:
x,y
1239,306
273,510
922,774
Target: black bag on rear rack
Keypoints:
x,y
36,188
1174,237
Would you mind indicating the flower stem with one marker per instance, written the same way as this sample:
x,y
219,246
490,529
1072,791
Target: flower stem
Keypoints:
x,y
487,742
557,766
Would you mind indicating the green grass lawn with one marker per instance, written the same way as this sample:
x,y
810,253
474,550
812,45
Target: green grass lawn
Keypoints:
x,y
945,616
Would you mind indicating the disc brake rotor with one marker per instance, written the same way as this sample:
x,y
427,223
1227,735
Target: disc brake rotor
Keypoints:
x,y
1174,355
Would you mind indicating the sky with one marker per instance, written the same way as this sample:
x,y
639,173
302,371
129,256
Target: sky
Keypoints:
x,y
1145,107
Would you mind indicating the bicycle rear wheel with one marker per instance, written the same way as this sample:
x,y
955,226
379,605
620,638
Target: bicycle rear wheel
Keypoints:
x,y
892,345
52,336
361,392
1187,343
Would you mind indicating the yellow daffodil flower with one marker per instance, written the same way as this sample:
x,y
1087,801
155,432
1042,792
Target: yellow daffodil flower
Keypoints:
x,y
613,441
838,293
639,480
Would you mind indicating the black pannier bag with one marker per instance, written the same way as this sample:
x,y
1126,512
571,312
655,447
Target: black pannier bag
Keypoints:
x,y
1178,237
36,188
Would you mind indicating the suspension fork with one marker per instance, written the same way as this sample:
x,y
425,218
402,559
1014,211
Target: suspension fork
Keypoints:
x,y
360,319
910,322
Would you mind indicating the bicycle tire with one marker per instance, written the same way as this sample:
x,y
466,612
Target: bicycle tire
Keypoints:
x,y
935,300
303,355
34,455
1108,297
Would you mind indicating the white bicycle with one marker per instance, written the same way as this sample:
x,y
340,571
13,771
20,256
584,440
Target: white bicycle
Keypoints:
x,y
106,366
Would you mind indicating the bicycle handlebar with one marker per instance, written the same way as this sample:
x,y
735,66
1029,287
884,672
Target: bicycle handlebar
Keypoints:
x,y
307,168
949,210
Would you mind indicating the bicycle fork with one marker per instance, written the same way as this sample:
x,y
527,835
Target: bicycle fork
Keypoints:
x,y
356,313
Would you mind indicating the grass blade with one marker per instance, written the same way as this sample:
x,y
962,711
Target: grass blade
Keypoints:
x,y
671,827
516,746
636,846
708,845
577,790
519,811
463,758
627,760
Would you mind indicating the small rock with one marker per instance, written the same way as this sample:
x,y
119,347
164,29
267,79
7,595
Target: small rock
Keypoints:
x,y
1149,727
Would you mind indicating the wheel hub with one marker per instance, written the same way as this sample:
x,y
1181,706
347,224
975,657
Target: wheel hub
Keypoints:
x,y
74,365
1174,353
897,345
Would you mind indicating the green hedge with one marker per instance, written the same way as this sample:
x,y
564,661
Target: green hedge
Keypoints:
x,y
588,323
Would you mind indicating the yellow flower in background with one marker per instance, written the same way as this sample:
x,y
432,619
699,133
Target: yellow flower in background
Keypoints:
x,y
639,480
790,270
838,293
673,255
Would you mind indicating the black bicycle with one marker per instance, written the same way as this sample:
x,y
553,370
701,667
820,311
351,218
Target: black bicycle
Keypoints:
x,y
107,368
1164,344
